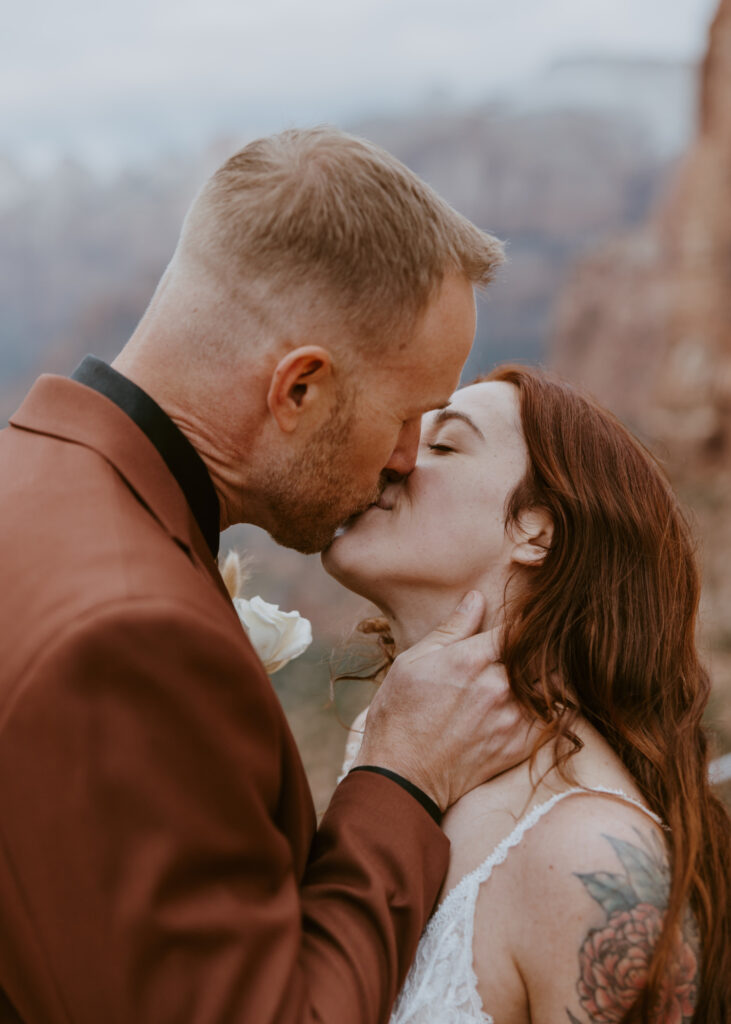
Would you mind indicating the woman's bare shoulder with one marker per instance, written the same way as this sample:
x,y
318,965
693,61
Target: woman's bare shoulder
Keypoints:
x,y
589,880
584,832
487,815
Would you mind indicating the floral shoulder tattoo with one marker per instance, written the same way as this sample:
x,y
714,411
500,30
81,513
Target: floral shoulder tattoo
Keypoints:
x,y
614,959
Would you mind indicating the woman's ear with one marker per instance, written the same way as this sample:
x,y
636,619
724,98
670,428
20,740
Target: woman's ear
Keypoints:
x,y
301,382
532,533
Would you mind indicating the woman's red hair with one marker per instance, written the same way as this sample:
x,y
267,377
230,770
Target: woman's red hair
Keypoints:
x,y
605,627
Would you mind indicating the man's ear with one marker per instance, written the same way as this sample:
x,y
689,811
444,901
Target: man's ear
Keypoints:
x,y
301,380
533,533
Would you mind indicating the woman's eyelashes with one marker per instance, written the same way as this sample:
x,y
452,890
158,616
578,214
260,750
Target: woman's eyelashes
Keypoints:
x,y
440,448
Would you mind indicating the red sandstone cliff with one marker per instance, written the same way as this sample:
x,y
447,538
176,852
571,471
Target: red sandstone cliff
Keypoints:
x,y
646,321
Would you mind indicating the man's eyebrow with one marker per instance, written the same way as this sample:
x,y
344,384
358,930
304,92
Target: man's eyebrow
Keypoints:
x,y
454,414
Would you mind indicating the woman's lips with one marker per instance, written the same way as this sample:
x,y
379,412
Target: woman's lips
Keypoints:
x,y
381,504
388,498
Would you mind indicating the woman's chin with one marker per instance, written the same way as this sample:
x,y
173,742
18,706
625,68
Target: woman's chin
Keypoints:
x,y
358,556
338,558
346,560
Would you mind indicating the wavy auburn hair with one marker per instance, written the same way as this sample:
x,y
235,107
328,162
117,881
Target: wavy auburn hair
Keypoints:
x,y
605,627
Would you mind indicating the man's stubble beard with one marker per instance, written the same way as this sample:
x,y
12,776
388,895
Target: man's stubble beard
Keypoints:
x,y
311,496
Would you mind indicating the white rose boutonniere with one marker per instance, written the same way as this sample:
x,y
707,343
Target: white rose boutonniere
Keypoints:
x,y
276,636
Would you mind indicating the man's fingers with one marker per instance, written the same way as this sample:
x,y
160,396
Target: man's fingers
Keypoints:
x,y
469,656
463,622
483,648
522,738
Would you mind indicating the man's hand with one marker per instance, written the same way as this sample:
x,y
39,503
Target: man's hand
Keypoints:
x,y
444,717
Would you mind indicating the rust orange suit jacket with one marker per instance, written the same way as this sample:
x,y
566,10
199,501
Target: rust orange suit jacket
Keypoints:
x,y
159,860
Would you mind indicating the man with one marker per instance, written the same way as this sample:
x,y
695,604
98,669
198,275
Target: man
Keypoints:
x,y
158,854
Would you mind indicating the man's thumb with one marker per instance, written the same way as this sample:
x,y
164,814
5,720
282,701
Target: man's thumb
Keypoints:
x,y
464,621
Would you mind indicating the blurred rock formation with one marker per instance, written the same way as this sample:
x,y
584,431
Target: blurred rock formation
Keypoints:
x,y
646,320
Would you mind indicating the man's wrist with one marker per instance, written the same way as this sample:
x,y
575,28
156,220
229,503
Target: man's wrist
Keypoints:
x,y
429,805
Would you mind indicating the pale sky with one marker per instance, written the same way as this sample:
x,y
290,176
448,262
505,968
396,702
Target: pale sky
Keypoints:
x,y
146,74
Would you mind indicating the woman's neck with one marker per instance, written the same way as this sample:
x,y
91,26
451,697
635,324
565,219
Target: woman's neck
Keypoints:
x,y
416,614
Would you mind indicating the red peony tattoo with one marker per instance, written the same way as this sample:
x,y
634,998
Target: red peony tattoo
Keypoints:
x,y
614,960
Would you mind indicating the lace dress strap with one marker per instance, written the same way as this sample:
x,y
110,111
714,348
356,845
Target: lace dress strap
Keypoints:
x,y
532,818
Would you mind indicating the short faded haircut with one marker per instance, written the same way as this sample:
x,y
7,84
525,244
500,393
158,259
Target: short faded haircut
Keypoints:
x,y
323,221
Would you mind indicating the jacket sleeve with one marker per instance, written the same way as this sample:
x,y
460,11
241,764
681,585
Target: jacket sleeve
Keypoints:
x,y
146,878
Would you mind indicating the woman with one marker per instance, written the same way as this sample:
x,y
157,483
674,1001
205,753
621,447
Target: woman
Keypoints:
x,y
591,883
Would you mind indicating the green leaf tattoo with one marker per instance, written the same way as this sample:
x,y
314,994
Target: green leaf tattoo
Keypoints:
x,y
614,959
648,879
611,892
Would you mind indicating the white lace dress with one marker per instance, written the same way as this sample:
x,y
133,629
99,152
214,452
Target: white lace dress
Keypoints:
x,y
441,987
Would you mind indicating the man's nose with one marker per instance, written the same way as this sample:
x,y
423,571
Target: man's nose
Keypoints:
x,y
403,457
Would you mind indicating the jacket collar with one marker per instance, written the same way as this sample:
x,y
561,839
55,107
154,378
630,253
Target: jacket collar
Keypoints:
x,y
66,409
178,453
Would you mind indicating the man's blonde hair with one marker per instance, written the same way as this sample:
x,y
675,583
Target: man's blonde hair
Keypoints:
x,y
321,221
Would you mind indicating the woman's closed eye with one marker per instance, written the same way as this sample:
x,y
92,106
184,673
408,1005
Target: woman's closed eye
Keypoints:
x,y
440,448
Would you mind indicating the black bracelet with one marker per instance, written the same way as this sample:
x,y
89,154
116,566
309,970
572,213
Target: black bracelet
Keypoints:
x,y
429,805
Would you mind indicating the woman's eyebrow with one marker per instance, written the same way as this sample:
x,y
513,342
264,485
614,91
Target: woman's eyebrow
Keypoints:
x,y
453,414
